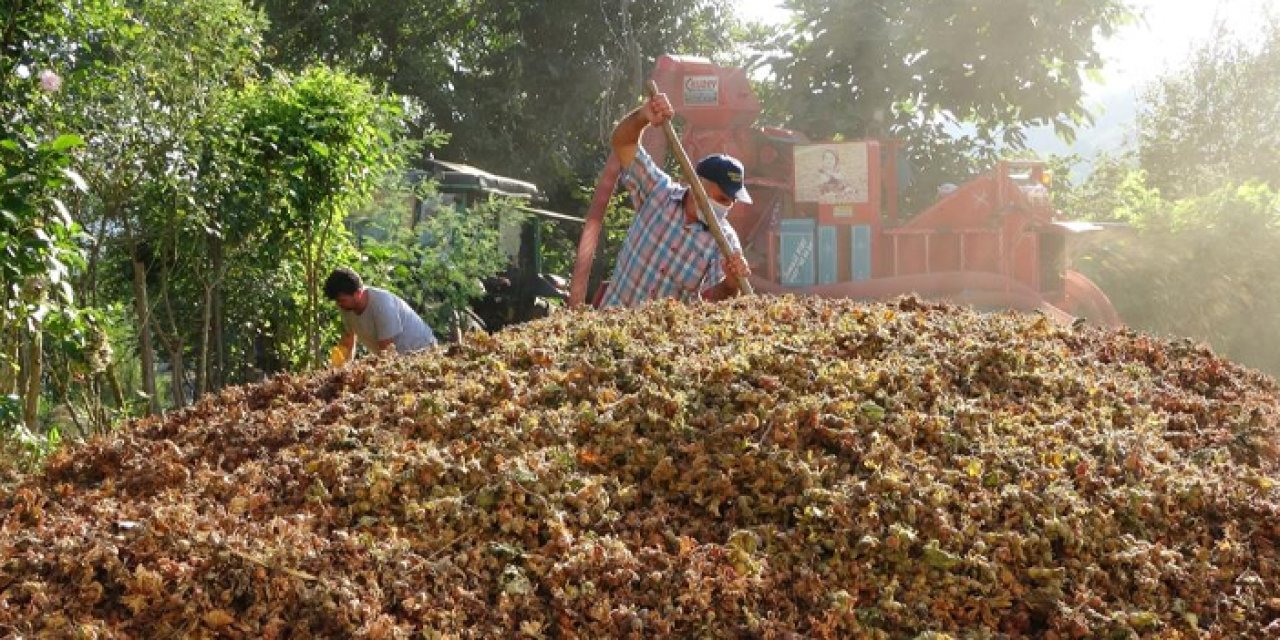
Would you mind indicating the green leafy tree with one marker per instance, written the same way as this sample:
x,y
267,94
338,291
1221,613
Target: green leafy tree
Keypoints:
x,y
920,72
141,94
37,253
184,196
1196,265
1200,194
1218,119
38,248
438,262
524,88
1116,190
308,150
1199,267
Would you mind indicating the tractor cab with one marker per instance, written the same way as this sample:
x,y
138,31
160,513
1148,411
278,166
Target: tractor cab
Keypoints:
x,y
522,291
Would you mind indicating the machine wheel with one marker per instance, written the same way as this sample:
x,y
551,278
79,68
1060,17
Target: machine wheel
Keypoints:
x,y
1084,299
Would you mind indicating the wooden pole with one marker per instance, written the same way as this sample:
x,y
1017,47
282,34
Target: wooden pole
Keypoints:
x,y
699,192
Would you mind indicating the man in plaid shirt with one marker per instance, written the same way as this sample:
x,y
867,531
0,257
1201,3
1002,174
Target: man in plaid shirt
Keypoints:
x,y
669,252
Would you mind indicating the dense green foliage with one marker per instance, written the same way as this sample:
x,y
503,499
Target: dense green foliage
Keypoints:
x,y
167,206
142,97
877,69
524,88
1219,120
1202,267
1201,196
37,253
306,151
38,248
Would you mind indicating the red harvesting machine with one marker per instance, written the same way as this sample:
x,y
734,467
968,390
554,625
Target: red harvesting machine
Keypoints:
x,y
826,218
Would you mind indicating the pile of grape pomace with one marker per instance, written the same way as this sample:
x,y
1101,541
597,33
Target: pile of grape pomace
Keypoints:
x,y
762,468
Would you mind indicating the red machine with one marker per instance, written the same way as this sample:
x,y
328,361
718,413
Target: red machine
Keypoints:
x,y
826,220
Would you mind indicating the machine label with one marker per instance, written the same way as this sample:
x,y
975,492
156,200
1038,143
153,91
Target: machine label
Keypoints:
x,y
701,91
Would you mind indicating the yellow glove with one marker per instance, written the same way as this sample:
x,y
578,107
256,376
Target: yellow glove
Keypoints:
x,y
338,356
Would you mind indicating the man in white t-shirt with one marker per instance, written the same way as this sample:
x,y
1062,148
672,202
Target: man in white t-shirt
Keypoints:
x,y
381,320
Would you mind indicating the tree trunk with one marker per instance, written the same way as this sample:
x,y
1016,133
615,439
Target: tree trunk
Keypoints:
x,y
117,390
32,373
310,326
89,284
219,373
317,247
178,371
36,295
217,317
632,45
312,323
11,342
206,319
212,277
173,341
64,388
142,316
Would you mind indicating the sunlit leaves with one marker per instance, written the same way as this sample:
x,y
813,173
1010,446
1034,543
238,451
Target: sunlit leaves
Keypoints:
x,y
38,248
1215,120
903,69
300,152
527,89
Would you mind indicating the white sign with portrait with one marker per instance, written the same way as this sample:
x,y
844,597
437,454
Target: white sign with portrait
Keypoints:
x,y
833,173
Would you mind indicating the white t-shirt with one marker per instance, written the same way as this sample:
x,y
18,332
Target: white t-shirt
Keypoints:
x,y
388,317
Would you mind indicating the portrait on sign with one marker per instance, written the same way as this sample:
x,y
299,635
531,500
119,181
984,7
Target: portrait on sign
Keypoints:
x,y
833,173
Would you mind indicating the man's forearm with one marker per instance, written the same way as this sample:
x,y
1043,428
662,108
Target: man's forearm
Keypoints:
x,y
629,130
626,134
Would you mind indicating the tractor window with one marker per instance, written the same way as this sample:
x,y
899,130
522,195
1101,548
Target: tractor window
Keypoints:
x,y
509,228
1023,176
433,203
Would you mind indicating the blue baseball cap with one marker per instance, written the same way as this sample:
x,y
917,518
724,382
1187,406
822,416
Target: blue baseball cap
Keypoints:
x,y
727,173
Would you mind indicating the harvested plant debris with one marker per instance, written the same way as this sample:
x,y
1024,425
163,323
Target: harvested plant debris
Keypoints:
x,y
767,467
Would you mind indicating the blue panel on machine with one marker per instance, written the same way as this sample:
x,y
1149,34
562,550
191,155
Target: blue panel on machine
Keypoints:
x,y
828,255
797,252
861,252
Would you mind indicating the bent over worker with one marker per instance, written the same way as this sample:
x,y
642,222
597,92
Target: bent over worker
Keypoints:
x,y
382,321
669,251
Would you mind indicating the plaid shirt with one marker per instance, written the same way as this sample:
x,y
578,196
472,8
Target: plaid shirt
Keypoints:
x,y
663,256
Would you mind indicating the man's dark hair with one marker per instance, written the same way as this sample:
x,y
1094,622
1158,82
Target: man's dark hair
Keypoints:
x,y
342,281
